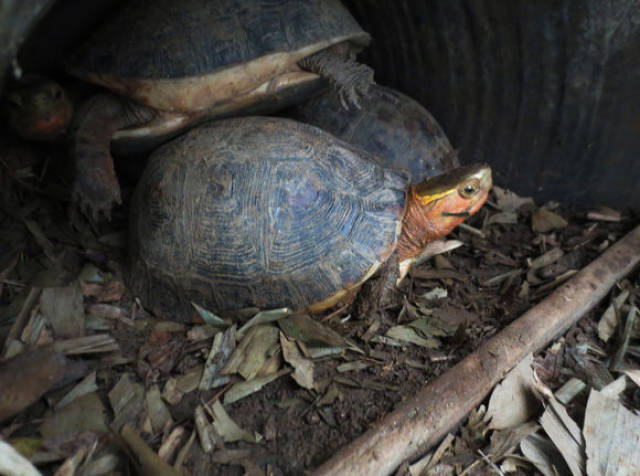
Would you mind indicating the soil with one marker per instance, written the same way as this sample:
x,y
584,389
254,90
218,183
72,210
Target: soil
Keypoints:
x,y
298,434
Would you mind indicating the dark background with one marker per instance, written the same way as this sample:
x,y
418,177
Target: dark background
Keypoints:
x,y
546,91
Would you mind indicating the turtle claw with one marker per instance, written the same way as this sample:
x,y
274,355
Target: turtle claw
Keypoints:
x,y
349,99
96,204
357,88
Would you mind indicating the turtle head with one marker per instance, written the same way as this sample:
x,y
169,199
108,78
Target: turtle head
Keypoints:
x,y
451,197
37,108
439,204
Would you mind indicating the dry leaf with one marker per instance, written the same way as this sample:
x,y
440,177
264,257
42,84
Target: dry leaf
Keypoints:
x,y
303,368
565,434
228,429
542,453
407,334
608,322
508,201
26,377
304,329
242,389
223,346
252,352
544,221
156,410
64,309
513,401
612,437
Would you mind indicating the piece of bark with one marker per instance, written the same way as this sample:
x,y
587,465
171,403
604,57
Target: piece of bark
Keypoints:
x,y
23,317
421,421
64,309
28,376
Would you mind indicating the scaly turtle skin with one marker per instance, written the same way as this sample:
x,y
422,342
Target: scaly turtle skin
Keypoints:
x,y
180,62
389,125
269,212
37,108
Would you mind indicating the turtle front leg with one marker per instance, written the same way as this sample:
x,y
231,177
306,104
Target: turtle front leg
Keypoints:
x,y
379,292
96,187
348,77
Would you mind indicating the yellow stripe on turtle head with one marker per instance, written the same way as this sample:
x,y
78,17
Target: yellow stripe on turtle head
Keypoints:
x,y
466,181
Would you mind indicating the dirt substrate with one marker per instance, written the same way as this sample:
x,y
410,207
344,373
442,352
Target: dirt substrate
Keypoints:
x,y
450,305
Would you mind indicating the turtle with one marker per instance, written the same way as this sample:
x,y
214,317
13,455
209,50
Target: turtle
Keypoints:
x,y
170,65
269,212
37,108
390,125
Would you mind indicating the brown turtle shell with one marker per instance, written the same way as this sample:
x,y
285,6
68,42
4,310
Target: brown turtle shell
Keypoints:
x,y
190,54
390,125
260,212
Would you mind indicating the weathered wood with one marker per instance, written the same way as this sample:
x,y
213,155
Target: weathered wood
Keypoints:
x,y
422,420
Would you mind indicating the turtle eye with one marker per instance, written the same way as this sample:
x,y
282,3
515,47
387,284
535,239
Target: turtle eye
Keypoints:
x,y
470,188
57,93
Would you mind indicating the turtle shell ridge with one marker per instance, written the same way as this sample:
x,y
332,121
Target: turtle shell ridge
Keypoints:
x,y
260,212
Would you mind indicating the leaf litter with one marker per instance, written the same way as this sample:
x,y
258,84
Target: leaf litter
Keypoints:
x,y
310,385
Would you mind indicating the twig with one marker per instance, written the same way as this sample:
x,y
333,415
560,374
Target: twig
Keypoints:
x,y
21,320
472,230
421,421
618,358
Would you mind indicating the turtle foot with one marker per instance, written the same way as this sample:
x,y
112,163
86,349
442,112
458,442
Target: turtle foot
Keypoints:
x,y
355,86
349,78
379,292
96,196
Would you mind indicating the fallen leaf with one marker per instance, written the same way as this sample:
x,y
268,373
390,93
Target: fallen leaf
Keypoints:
x,y
64,309
407,334
85,413
544,221
254,350
608,322
612,437
223,346
508,201
156,410
304,329
28,376
303,372
264,317
565,434
227,428
127,399
243,389
209,317
542,453
513,402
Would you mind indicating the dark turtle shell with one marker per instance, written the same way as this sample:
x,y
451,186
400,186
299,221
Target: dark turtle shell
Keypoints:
x,y
171,39
263,212
396,129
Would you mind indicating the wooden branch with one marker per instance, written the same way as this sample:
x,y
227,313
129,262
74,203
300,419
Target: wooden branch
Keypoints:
x,y
422,420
